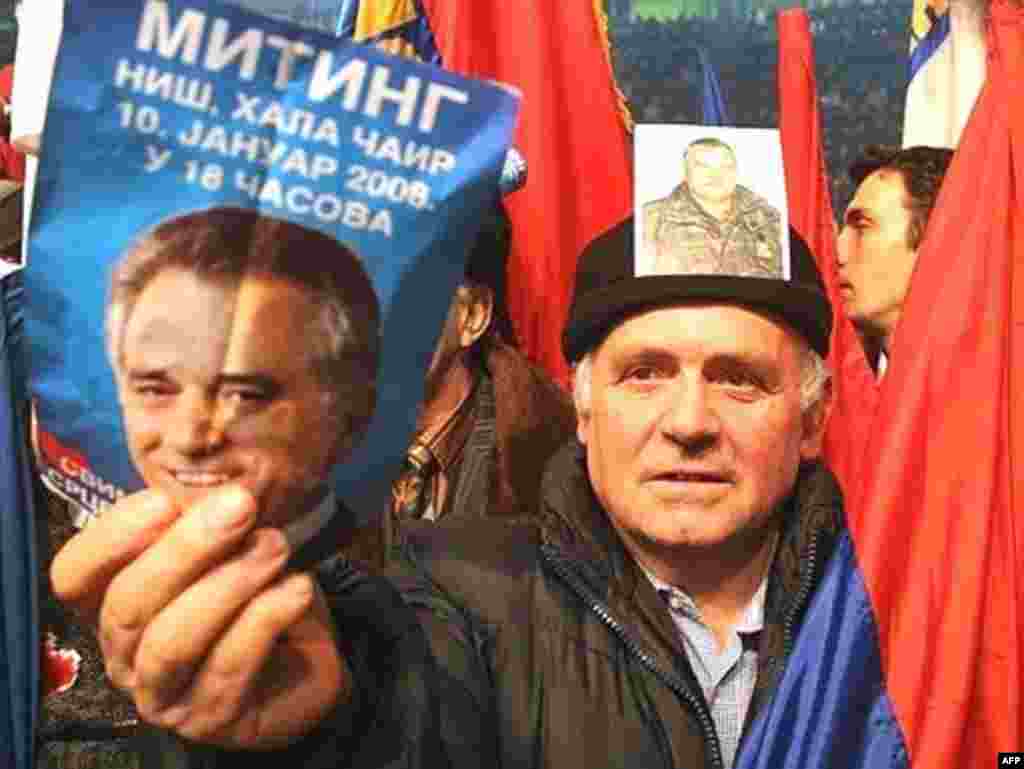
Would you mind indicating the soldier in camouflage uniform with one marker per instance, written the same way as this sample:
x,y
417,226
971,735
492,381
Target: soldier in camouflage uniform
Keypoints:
x,y
709,223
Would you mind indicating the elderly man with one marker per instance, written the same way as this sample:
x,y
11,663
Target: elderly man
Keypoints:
x,y
883,227
709,221
642,623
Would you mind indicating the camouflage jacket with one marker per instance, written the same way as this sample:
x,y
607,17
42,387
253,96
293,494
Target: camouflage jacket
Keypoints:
x,y
526,646
681,236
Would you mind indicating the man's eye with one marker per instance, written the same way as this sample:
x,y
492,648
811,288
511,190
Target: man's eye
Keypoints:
x,y
246,396
740,384
643,374
152,391
737,379
734,376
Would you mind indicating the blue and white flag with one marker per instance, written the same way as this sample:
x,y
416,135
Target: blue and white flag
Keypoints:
x,y
161,107
946,68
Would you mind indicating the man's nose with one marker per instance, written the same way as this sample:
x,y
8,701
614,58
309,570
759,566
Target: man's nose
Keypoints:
x,y
842,246
196,426
691,418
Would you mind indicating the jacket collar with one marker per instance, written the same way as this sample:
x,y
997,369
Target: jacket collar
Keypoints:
x,y
332,536
573,520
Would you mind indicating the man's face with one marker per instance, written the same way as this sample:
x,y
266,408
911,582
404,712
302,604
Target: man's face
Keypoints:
x,y
695,432
217,385
875,258
711,174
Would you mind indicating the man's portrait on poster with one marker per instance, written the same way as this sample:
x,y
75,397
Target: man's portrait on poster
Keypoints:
x,y
245,350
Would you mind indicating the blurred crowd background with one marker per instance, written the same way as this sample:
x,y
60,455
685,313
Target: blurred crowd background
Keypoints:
x,y
861,52
8,31
861,68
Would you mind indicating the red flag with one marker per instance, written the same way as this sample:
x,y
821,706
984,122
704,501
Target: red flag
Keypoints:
x,y
937,510
571,132
810,213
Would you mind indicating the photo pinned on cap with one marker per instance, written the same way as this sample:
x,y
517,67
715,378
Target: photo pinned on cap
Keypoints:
x,y
710,200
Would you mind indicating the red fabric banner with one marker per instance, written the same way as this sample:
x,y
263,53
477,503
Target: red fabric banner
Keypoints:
x,y
810,213
936,509
931,466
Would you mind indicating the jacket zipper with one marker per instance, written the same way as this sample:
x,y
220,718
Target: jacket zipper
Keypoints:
x,y
669,678
788,622
806,583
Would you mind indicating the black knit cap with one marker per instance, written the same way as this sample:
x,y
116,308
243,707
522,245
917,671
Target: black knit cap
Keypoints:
x,y
608,292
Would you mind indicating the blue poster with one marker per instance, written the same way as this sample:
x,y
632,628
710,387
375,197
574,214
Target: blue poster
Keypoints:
x,y
165,110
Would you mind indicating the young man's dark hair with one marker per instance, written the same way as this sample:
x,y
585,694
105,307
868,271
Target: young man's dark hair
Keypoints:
x,y
922,169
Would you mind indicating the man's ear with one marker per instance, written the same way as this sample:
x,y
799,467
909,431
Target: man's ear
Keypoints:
x,y
476,313
814,422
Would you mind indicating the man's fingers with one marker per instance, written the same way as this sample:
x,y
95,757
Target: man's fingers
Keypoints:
x,y
202,537
167,655
217,706
83,568
310,678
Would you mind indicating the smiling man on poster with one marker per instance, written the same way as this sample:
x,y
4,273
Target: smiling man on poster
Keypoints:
x,y
190,109
189,105
261,381
265,377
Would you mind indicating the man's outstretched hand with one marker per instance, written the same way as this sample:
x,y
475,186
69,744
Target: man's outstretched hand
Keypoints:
x,y
199,622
